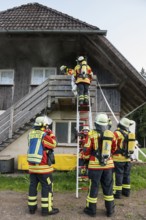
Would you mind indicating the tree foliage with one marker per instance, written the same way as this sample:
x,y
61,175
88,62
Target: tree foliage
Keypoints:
x,y
139,116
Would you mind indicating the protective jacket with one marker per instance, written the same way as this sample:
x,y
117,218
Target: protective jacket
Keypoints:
x,y
49,143
92,150
118,156
82,73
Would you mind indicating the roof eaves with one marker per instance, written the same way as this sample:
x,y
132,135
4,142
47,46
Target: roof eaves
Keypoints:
x,y
64,31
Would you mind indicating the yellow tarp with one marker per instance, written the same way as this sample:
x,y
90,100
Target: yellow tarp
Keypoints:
x,y
63,162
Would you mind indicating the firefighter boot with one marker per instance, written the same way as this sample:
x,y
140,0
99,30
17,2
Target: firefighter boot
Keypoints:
x,y
91,210
117,195
81,102
126,192
53,212
32,211
110,208
86,101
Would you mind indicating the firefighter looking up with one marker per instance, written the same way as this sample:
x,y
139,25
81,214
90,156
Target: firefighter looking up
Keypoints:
x,y
41,142
98,148
83,76
125,141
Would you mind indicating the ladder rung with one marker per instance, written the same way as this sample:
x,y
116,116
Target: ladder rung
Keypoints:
x,y
83,111
84,177
84,119
83,188
82,167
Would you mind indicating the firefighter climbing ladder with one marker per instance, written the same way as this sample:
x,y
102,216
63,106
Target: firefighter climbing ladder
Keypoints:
x,y
84,118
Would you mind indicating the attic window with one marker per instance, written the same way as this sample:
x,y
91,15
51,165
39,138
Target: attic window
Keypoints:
x,y
6,77
39,74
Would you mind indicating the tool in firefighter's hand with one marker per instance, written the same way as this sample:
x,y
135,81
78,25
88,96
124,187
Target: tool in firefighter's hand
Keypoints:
x,y
51,157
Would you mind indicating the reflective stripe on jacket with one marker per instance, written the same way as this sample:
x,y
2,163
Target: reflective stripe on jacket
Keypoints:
x,y
49,142
79,77
91,144
118,157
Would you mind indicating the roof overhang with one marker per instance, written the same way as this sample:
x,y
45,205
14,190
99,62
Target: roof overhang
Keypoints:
x,y
99,32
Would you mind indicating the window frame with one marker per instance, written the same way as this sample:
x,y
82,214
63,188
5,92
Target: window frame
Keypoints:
x,y
7,70
44,78
68,143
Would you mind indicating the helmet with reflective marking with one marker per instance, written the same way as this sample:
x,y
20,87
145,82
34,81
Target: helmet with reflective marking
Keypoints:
x,y
102,119
43,121
126,122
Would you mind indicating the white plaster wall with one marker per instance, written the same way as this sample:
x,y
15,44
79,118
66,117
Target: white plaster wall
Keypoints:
x,y
18,147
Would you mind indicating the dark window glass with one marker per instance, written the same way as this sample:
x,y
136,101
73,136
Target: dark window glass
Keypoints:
x,y
62,132
73,133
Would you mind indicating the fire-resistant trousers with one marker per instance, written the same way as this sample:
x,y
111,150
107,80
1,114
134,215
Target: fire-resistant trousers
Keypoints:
x,y
46,182
83,91
105,178
122,179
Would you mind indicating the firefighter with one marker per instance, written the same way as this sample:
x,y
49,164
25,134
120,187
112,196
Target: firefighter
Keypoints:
x,y
41,141
121,157
83,164
98,147
83,76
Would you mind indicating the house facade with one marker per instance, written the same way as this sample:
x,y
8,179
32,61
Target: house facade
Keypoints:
x,y
34,42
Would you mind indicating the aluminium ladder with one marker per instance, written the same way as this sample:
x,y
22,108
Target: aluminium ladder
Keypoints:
x,y
84,118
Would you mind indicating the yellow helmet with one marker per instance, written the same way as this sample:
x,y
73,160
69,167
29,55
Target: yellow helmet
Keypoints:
x,y
42,121
126,122
102,119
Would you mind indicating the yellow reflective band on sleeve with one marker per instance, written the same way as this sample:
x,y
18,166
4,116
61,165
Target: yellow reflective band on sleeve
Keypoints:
x,y
126,186
108,198
48,143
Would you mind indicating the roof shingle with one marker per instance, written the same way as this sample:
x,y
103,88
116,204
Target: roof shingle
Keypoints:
x,y
37,17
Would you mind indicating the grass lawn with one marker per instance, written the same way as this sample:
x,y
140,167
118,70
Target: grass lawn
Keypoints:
x,y
66,181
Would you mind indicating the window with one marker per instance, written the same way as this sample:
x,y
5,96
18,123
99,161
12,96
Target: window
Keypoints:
x,y
39,75
65,132
6,77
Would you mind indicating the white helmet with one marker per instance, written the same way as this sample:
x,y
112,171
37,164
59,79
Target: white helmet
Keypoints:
x,y
86,128
81,58
62,68
102,119
42,121
126,122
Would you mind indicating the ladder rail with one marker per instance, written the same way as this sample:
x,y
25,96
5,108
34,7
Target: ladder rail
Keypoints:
x,y
89,119
77,165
